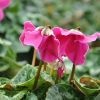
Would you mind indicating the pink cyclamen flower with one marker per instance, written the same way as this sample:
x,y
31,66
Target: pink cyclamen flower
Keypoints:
x,y
73,44
43,40
60,67
28,27
3,4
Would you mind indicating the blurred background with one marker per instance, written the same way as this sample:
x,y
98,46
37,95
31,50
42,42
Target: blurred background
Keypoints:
x,y
66,14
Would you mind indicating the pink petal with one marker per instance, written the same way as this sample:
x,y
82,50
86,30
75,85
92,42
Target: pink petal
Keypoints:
x,y
22,37
76,52
49,49
89,38
61,38
1,14
33,38
60,72
28,26
4,3
56,31
68,32
64,31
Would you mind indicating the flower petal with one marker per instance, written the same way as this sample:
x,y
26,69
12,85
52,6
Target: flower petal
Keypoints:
x,y
1,14
49,49
76,54
60,72
33,38
89,38
4,3
69,32
28,26
22,37
62,39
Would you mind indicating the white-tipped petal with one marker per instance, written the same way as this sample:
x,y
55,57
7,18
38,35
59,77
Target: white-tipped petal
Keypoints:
x,y
47,31
60,65
43,31
75,30
39,28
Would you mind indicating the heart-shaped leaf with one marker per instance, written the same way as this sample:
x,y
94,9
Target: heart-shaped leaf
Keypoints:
x,y
94,96
25,77
30,96
40,92
86,91
63,92
12,95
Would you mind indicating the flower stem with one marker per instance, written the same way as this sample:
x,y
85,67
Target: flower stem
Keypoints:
x,y
37,75
34,58
45,64
52,68
72,74
57,78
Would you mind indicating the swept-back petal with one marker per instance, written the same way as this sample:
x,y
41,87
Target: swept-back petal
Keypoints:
x,y
1,14
28,26
21,38
4,3
89,38
33,38
76,52
70,32
56,31
62,39
49,49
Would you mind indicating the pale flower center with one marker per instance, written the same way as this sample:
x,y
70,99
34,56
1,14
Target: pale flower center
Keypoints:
x,y
60,65
45,30
75,30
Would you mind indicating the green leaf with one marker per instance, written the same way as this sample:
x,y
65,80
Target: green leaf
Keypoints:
x,y
25,77
94,96
85,90
4,81
45,78
10,53
63,92
12,95
3,65
5,42
8,61
40,92
30,96
11,62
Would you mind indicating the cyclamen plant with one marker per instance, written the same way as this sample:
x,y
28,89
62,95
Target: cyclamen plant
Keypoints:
x,y
52,81
54,43
45,82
